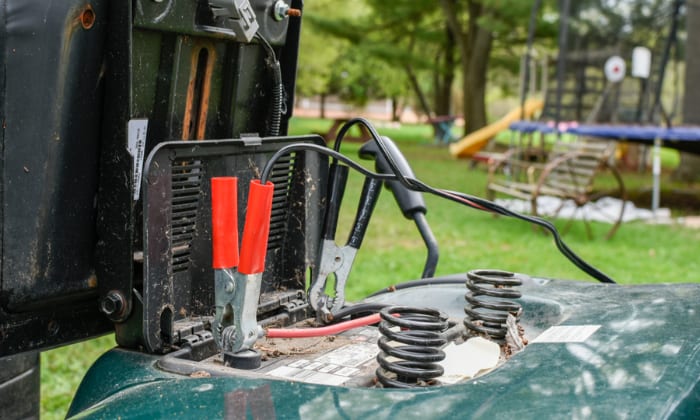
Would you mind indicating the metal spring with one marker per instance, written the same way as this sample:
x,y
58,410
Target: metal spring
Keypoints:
x,y
487,310
414,361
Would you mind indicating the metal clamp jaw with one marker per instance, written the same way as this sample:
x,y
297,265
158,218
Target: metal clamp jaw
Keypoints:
x,y
335,261
236,327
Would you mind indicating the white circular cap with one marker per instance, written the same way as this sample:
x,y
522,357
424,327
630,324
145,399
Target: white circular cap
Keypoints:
x,y
615,69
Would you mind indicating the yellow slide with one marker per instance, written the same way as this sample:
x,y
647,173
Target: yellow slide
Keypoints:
x,y
476,141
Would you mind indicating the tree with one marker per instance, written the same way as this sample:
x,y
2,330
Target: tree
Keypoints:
x,y
399,33
359,76
475,26
426,41
319,54
425,47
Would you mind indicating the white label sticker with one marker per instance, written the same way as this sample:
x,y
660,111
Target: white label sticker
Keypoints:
x,y
333,368
136,146
351,356
315,377
328,368
313,366
325,379
347,371
566,334
299,363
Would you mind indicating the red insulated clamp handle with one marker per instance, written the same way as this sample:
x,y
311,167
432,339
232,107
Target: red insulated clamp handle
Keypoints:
x,y
257,228
224,222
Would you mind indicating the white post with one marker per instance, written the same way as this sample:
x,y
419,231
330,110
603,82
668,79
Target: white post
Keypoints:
x,y
656,172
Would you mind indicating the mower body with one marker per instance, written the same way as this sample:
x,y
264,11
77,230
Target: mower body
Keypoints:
x,y
117,115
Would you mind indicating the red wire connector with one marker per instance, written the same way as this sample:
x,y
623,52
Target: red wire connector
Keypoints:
x,y
257,228
224,221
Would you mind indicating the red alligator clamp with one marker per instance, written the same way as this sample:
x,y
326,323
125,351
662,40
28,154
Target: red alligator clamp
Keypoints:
x,y
224,221
237,292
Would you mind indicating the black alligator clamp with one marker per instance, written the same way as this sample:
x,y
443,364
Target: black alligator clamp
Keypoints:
x,y
336,261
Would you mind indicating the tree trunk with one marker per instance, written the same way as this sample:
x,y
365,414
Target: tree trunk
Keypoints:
x,y
419,91
689,168
475,47
444,76
323,105
475,80
396,109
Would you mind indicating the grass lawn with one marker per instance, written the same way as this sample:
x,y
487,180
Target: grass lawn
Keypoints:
x,y
393,251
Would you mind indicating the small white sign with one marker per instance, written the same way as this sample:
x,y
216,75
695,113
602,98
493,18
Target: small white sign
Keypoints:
x,y
566,334
136,146
615,69
641,62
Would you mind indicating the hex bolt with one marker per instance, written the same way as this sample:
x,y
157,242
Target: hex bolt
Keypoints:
x,y
113,305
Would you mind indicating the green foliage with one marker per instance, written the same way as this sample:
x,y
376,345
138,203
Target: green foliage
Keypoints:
x,y
333,63
380,40
317,52
364,77
636,22
408,41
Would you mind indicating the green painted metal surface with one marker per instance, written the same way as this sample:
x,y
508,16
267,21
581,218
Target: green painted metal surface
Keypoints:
x,y
643,362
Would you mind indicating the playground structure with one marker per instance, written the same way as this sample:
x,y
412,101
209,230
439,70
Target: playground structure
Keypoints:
x,y
594,94
577,86
597,45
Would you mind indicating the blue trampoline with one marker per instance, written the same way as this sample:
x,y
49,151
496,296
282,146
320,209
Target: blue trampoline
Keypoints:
x,y
683,138
686,139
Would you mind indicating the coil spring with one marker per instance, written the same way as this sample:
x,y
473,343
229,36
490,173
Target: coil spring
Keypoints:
x,y
487,310
414,363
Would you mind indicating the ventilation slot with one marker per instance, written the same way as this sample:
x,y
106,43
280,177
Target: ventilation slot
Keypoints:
x,y
186,181
282,178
